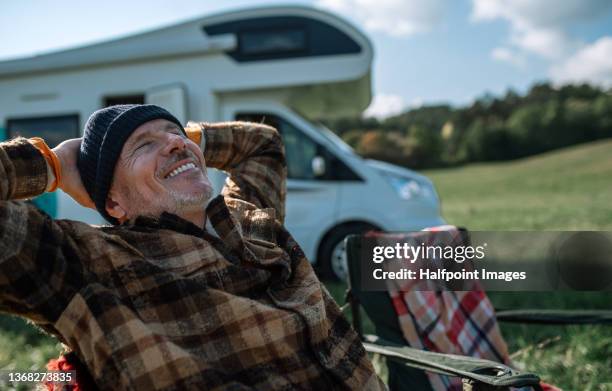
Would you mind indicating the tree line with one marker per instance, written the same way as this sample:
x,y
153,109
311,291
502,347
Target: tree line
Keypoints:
x,y
492,128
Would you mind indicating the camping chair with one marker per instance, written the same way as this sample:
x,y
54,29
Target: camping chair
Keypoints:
x,y
407,365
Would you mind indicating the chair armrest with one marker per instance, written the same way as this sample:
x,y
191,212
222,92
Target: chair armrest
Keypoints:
x,y
474,369
556,317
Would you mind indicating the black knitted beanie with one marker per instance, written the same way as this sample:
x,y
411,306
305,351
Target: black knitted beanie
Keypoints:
x,y
105,133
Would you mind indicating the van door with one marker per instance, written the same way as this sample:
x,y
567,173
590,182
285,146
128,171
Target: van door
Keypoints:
x,y
312,194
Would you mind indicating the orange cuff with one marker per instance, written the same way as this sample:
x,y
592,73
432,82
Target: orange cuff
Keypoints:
x,y
51,159
194,133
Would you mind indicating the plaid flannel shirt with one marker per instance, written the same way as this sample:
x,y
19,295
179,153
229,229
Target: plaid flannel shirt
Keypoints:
x,y
164,305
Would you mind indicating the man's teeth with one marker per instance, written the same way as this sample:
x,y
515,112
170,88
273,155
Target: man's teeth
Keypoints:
x,y
180,169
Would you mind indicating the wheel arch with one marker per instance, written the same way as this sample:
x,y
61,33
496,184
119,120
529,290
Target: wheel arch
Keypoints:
x,y
330,231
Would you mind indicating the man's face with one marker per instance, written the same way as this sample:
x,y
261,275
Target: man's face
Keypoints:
x,y
160,170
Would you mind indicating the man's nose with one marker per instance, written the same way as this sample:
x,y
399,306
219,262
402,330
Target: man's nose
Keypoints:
x,y
174,143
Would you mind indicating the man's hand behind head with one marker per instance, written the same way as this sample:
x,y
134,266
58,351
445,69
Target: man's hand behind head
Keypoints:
x,y
70,182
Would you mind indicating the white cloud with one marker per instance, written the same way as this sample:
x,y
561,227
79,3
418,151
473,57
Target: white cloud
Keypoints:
x,y
394,17
541,13
539,27
593,63
545,42
385,105
510,56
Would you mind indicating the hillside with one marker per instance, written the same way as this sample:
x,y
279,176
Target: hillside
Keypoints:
x,y
564,189
560,190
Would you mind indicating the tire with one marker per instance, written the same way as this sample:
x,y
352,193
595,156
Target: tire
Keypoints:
x,y
331,261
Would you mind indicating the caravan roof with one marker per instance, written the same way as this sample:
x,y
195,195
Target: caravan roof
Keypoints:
x,y
320,62
255,34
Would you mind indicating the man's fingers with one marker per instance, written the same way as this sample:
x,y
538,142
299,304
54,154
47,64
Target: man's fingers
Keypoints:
x,y
71,183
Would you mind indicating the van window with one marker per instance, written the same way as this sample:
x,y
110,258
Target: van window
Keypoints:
x,y
262,42
300,150
138,99
53,129
278,37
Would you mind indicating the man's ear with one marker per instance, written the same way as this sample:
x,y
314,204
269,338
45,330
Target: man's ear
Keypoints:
x,y
114,209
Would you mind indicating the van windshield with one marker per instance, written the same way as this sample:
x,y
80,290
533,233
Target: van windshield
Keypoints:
x,y
331,136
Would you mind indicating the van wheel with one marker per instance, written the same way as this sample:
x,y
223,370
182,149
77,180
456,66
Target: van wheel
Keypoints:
x,y
332,264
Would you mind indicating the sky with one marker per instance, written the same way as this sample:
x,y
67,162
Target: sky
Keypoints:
x,y
426,51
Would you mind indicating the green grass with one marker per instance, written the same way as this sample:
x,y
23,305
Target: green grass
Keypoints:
x,y
562,190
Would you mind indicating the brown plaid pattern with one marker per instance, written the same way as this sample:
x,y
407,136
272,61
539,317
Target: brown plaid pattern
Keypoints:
x,y
161,304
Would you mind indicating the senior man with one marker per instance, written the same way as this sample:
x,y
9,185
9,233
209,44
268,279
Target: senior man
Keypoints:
x,y
179,292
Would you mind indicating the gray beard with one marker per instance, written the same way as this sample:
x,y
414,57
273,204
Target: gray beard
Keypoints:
x,y
188,202
178,204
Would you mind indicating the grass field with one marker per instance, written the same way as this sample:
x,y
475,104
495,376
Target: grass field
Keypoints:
x,y
568,189
561,190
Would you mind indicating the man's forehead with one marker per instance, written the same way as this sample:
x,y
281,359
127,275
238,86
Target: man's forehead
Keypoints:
x,y
150,127
156,125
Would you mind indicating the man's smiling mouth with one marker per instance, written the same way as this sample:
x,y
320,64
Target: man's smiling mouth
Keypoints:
x,y
180,169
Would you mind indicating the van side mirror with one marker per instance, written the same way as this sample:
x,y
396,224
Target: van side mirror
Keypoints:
x,y
318,166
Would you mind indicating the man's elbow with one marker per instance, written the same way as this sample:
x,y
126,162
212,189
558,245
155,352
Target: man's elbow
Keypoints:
x,y
274,145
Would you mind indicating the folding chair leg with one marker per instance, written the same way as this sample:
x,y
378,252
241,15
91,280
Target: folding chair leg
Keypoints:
x,y
473,385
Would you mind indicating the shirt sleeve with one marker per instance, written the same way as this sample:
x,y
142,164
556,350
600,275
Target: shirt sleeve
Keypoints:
x,y
254,157
39,266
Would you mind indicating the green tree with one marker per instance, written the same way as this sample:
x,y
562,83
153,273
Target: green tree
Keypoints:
x,y
424,146
602,110
579,121
353,137
536,127
491,128
489,139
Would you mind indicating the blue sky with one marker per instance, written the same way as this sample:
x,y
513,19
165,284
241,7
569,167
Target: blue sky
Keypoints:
x,y
426,51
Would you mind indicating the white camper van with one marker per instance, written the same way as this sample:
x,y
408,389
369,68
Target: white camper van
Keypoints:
x,y
284,65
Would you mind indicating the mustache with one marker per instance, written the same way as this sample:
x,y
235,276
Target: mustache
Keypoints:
x,y
177,157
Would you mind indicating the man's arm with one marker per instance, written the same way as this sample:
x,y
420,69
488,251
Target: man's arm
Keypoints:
x,y
254,157
23,170
39,271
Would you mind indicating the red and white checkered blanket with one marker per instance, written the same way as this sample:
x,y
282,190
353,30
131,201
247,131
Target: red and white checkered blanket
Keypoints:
x,y
457,322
